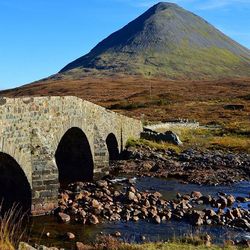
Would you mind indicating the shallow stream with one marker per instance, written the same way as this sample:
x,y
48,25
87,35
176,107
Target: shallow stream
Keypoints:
x,y
133,231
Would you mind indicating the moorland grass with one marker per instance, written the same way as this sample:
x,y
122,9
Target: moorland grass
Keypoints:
x,y
232,136
11,230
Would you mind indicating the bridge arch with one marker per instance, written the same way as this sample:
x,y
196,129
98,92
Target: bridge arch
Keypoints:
x,y
113,147
15,187
74,157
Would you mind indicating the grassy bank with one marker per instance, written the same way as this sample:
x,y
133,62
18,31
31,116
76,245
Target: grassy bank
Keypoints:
x,y
193,242
176,246
233,136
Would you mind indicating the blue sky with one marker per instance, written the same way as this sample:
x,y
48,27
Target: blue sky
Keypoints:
x,y
39,37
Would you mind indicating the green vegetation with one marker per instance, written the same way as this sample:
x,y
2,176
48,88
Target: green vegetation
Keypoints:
x,y
181,62
135,143
179,246
191,243
234,137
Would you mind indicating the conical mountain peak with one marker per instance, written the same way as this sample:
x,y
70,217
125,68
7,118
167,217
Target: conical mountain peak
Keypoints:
x,y
166,41
165,5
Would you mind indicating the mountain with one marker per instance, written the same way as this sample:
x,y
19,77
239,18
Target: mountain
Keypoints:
x,y
166,41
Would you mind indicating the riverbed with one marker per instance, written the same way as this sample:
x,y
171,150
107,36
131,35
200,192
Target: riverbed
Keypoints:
x,y
136,231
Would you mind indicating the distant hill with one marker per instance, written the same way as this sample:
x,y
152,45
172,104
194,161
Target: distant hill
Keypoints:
x,y
165,41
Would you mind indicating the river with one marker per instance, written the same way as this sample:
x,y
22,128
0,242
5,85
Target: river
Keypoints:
x,y
133,231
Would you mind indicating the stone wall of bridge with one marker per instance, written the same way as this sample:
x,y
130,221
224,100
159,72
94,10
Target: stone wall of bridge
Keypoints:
x,y
32,128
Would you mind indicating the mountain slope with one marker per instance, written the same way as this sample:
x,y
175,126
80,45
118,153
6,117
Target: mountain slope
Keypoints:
x,y
165,41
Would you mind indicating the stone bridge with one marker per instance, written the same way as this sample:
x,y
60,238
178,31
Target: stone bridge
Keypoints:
x,y
48,142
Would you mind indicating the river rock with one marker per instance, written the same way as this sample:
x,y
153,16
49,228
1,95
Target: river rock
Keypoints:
x,y
81,246
70,236
64,197
98,194
102,183
210,213
25,246
86,193
168,215
206,199
115,217
126,216
132,189
131,196
79,196
117,194
178,196
221,202
186,197
236,212
136,218
117,234
157,219
157,194
196,194
241,223
63,217
230,200
82,213
93,219
242,199
230,215
95,203
41,247
144,211
197,217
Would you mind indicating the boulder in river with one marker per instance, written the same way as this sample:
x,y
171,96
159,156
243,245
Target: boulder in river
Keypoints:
x,y
241,223
70,236
230,200
93,219
157,219
63,217
196,218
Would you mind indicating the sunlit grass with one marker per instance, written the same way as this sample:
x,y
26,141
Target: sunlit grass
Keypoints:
x,y
152,144
11,230
233,136
191,242
232,143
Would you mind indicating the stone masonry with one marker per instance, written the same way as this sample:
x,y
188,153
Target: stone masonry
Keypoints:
x,y
31,129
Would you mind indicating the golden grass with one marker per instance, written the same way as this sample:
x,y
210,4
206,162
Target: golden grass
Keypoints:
x,y
11,228
192,242
182,246
232,143
233,136
152,144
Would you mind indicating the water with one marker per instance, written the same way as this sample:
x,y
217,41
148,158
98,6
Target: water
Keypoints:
x,y
169,188
132,231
